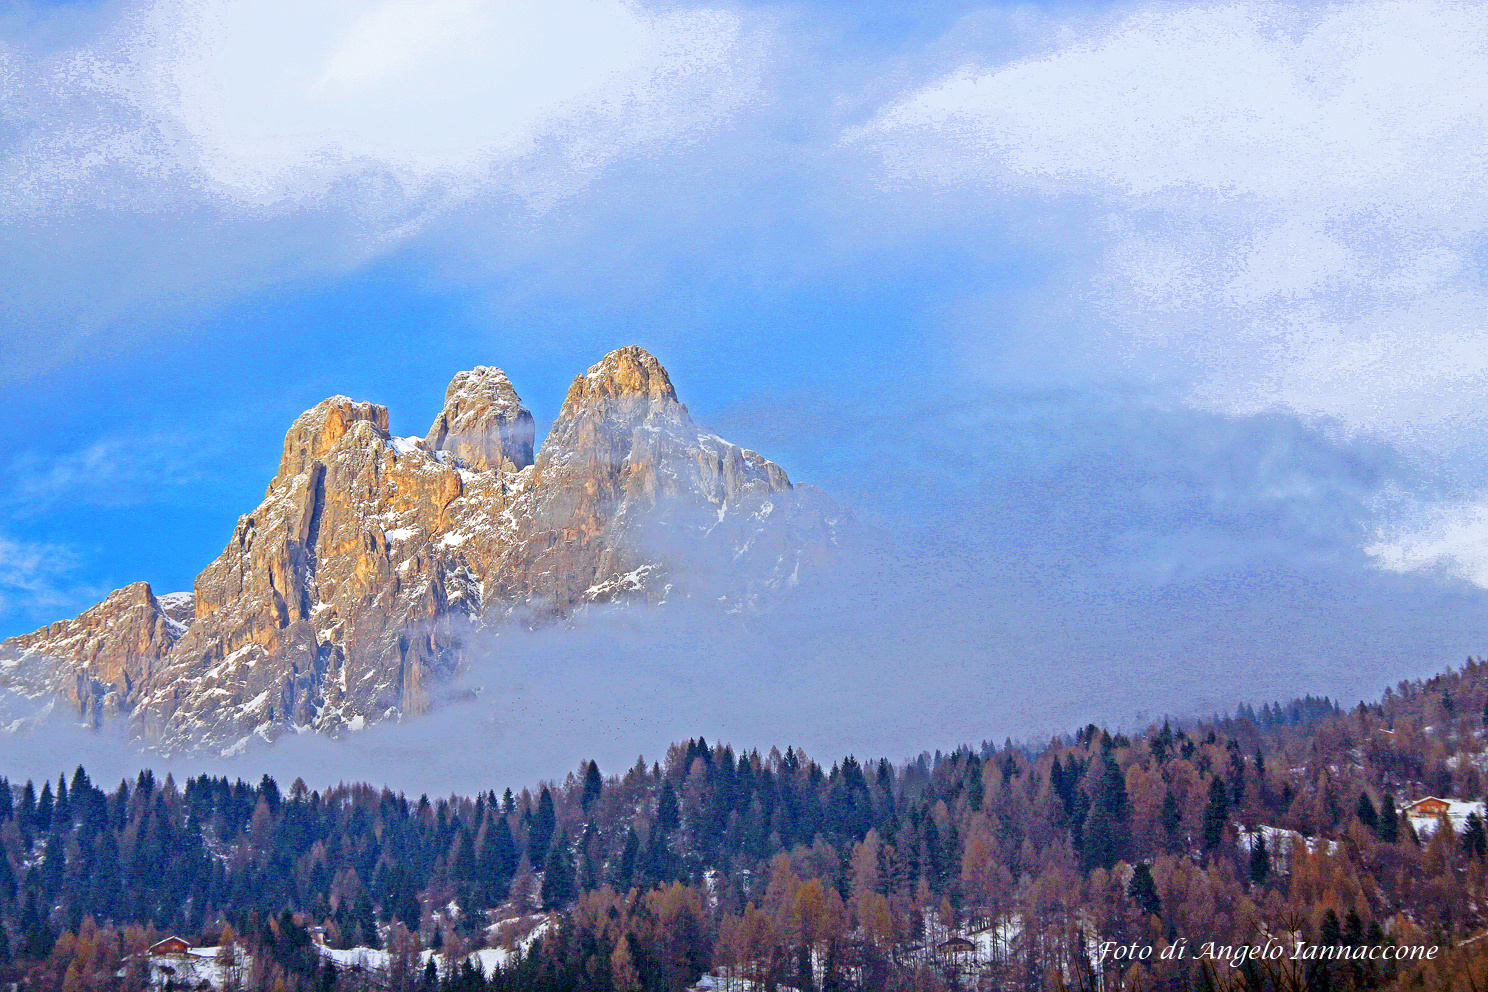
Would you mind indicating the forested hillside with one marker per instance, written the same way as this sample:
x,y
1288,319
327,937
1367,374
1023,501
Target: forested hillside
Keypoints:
x,y
786,870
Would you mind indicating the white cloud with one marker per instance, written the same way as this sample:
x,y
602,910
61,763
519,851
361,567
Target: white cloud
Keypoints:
x,y
1452,540
1290,202
183,154
263,102
1238,100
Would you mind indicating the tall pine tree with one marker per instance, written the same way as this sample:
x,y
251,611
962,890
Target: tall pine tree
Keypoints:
x,y
544,822
1143,890
593,786
1260,861
1389,822
558,886
668,814
1216,814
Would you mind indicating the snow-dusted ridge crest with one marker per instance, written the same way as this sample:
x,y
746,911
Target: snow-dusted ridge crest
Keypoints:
x,y
348,595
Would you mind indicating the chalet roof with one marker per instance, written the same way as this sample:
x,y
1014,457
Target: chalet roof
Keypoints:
x,y
956,944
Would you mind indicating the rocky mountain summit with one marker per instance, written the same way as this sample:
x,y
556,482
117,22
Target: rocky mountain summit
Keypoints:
x,y
352,591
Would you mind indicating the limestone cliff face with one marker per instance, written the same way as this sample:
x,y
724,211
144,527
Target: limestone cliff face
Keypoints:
x,y
346,596
318,610
100,660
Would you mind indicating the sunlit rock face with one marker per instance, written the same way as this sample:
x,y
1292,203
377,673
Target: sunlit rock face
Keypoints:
x,y
101,660
483,423
349,594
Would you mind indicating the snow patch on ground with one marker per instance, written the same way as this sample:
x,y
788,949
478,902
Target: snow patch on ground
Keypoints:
x,y
1279,841
196,968
488,959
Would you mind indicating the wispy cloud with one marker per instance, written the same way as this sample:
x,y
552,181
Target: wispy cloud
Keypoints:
x,y
1449,539
35,575
110,472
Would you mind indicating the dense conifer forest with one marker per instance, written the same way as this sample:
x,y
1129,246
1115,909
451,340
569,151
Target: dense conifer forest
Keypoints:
x,y
783,870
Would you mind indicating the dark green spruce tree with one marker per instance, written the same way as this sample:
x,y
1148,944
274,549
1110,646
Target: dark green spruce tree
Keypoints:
x,y
1389,823
668,814
1216,814
1474,839
558,884
1260,861
1171,818
1143,890
593,786
544,822
1107,833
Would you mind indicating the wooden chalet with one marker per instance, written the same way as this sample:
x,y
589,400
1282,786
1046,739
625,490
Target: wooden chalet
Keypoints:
x,y
169,947
1429,807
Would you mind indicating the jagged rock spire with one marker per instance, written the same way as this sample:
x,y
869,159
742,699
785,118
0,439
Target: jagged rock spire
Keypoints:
x,y
483,422
630,375
595,430
316,430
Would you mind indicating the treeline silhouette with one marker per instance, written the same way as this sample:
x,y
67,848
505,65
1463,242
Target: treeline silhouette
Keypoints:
x,y
778,871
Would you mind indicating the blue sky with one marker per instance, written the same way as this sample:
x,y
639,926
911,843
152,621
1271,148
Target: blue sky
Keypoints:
x,y
1172,313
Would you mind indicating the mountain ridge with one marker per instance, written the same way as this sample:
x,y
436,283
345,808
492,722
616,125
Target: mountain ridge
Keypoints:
x,y
342,598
